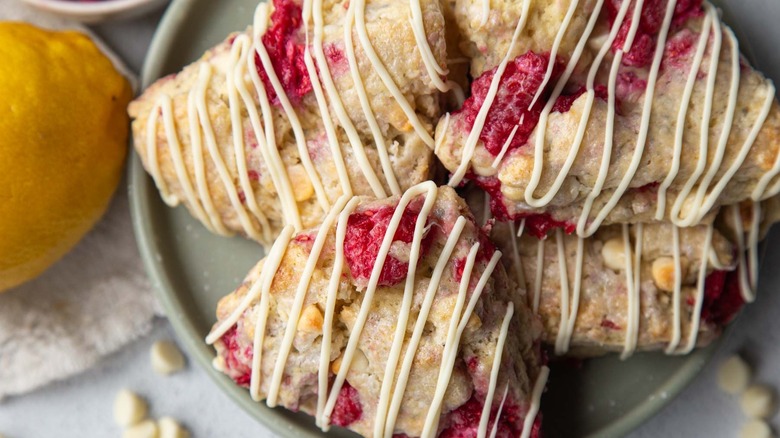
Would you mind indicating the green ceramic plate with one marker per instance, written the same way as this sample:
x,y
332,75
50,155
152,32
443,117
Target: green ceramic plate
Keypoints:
x,y
192,269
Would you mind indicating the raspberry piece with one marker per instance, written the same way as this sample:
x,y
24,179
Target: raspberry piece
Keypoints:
x,y
236,365
643,48
347,409
679,48
286,50
365,232
535,224
538,225
722,297
521,79
463,422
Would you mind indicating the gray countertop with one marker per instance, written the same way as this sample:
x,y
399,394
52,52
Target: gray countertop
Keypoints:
x,y
82,406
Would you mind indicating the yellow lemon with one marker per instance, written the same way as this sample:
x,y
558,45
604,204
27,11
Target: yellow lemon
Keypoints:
x,y
63,137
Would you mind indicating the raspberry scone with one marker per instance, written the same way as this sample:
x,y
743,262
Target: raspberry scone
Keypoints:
x,y
585,113
394,318
676,290
314,101
596,295
638,287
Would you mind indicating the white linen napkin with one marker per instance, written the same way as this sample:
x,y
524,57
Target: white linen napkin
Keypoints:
x,y
89,304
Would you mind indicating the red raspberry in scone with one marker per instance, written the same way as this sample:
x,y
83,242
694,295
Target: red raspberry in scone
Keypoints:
x,y
585,113
394,318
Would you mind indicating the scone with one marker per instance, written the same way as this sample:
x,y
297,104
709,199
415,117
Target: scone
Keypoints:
x,y
585,113
394,318
638,287
675,291
314,101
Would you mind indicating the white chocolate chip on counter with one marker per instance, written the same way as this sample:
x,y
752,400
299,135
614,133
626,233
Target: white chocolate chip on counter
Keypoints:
x,y
734,375
129,408
144,429
758,401
755,429
170,428
614,254
166,357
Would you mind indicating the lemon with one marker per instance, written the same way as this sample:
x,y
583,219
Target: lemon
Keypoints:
x,y
63,137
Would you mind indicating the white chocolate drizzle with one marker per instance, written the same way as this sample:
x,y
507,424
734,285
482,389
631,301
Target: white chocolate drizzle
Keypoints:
x,y
498,413
747,250
241,70
541,382
676,294
497,357
201,107
431,65
633,263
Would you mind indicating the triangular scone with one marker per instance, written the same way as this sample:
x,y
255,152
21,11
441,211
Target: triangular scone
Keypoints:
x,y
324,310
247,151
607,302
593,299
562,124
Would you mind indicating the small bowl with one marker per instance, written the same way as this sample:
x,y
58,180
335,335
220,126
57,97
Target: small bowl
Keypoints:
x,y
98,10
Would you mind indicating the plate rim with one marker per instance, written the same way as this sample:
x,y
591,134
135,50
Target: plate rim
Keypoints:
x,y
141,209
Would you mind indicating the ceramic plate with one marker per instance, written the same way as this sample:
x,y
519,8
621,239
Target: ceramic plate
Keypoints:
x,y
192,269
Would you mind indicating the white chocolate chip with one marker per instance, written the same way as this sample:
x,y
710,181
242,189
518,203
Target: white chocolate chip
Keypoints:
x,y
335,366
301,184
513,193
129,408
597,41
311,319
359,361
144,429
664,275
166,358
734,375
614,254
755,429
219,364
170,428
758,401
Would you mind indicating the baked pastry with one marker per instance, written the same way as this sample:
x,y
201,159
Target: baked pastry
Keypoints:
x,y
274,124
407,286
585,113
593,300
